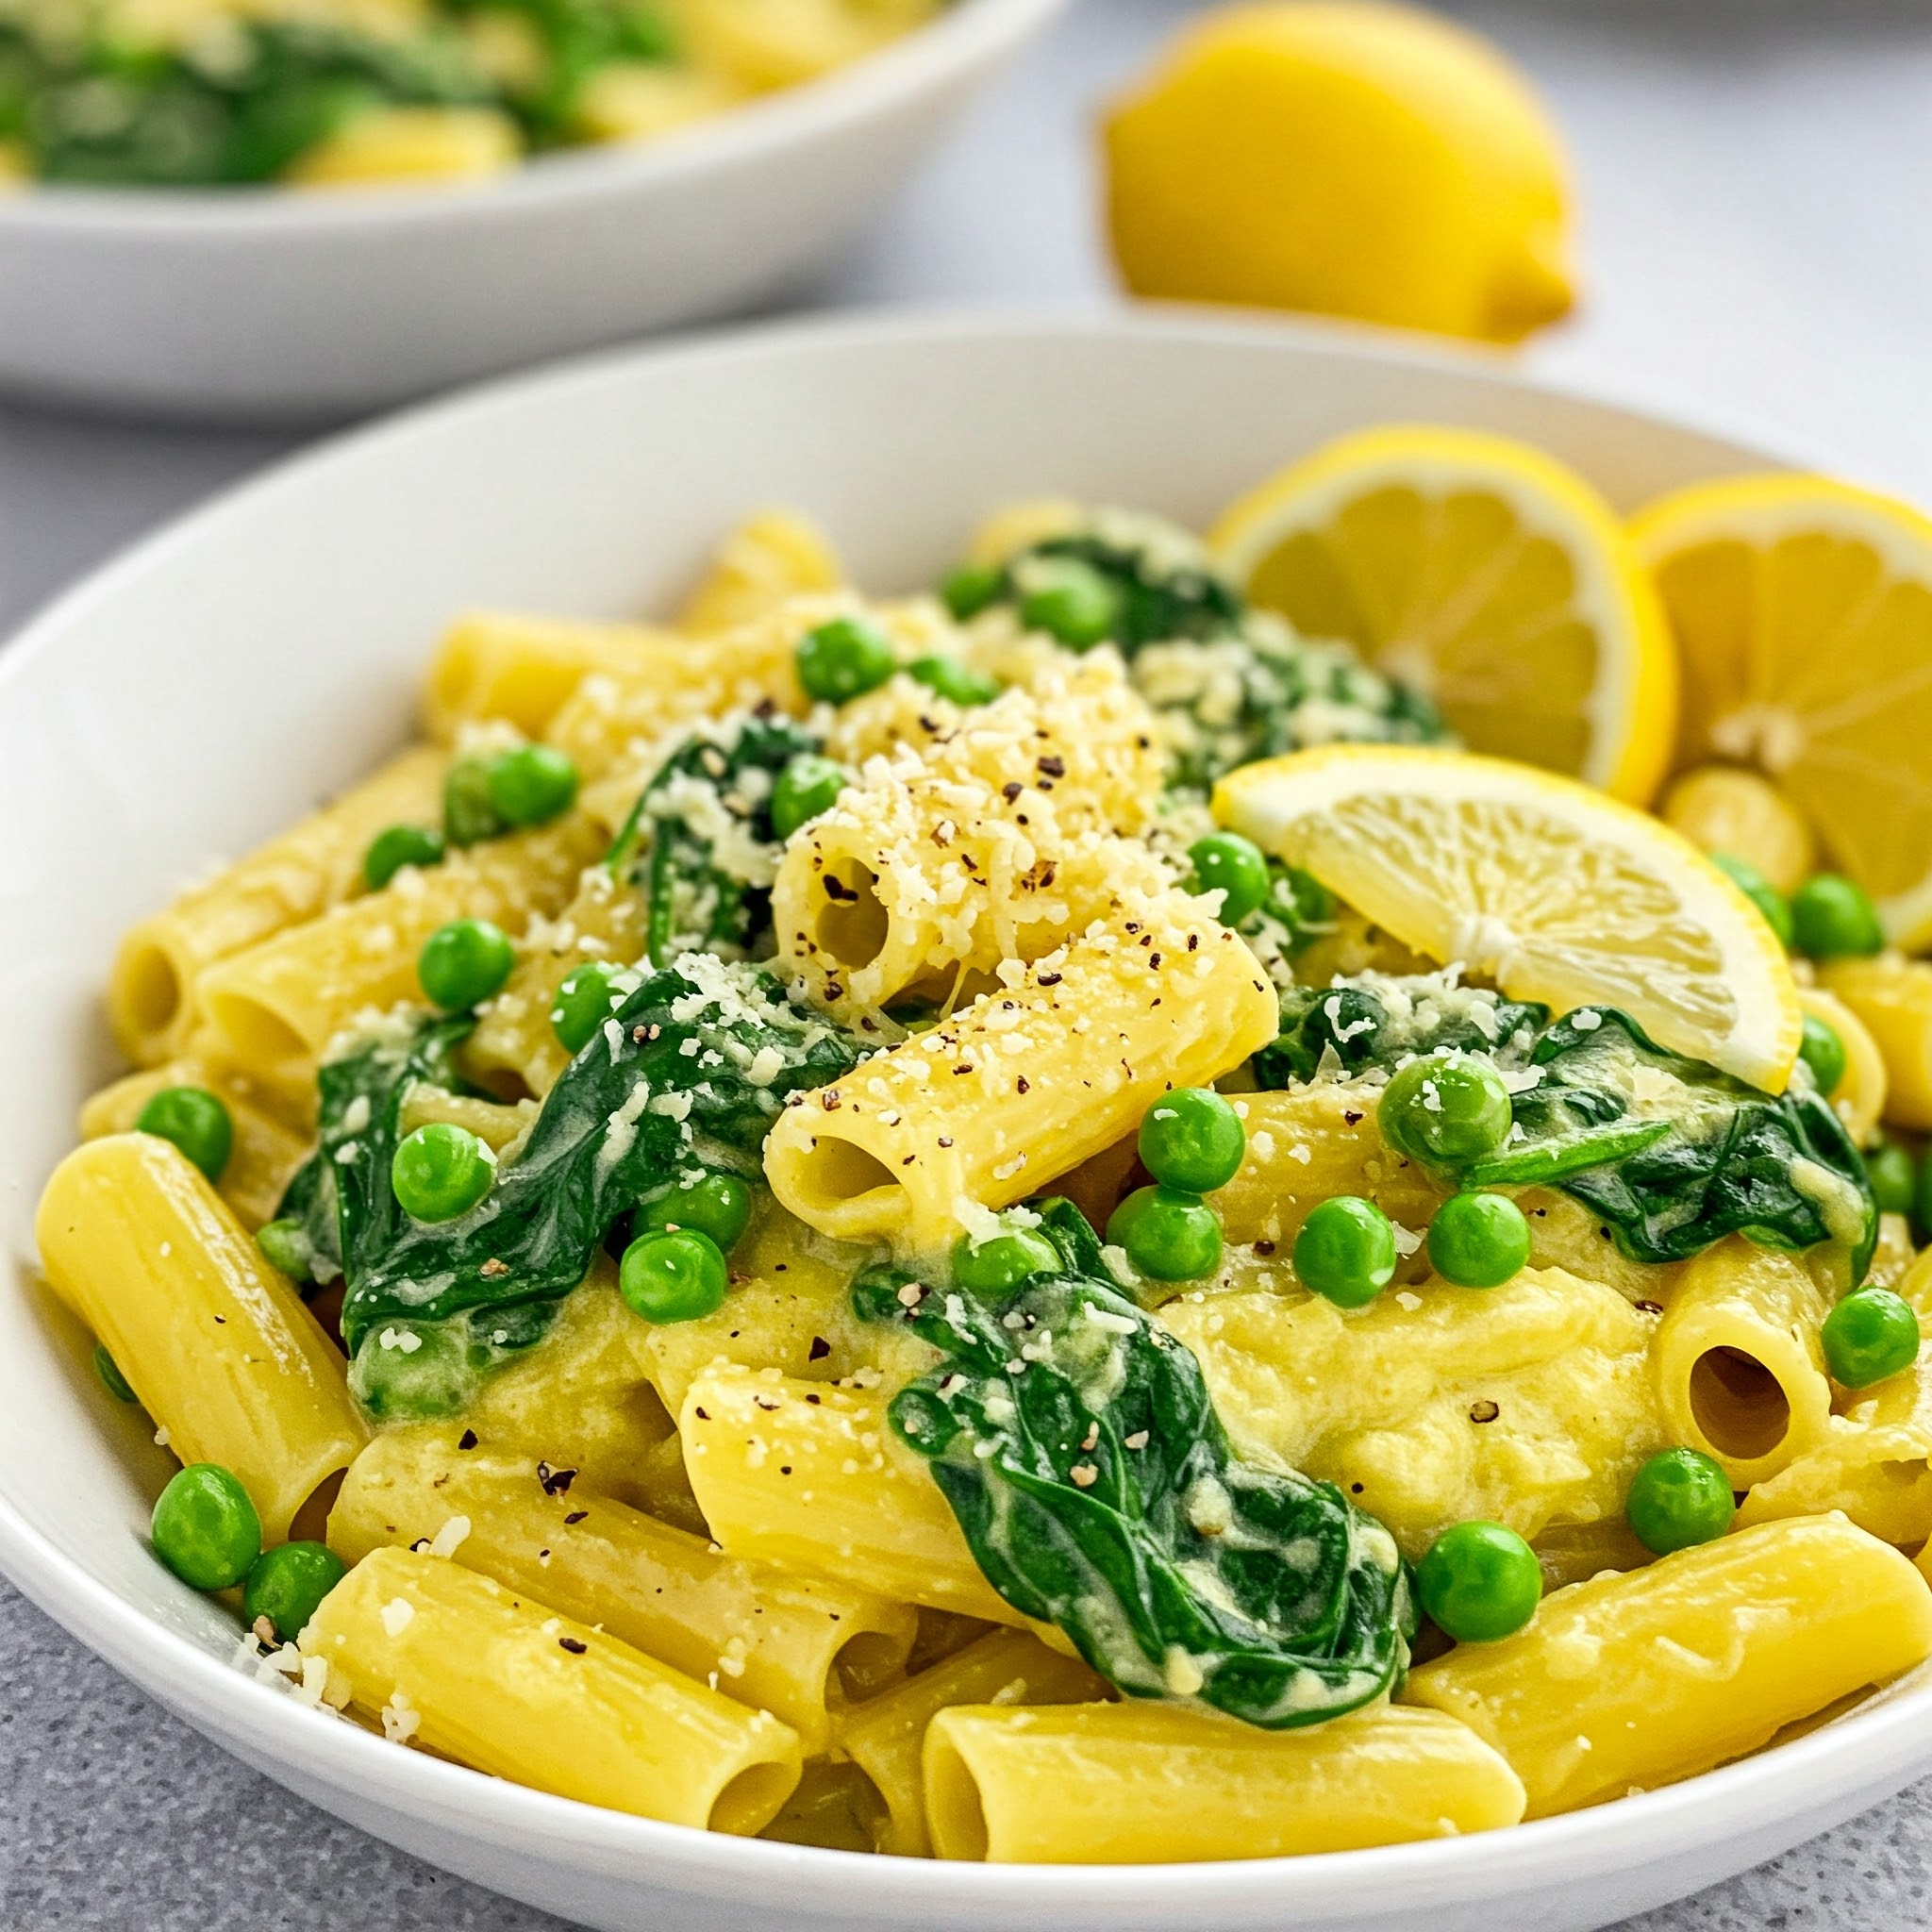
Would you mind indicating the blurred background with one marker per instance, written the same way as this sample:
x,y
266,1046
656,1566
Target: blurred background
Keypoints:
x,y
1750,250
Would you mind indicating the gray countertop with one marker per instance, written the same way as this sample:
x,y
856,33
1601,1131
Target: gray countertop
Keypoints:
x,y
1758,257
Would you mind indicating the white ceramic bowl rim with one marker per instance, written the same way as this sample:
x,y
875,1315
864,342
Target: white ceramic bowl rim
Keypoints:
x,y
967,32
1886,1736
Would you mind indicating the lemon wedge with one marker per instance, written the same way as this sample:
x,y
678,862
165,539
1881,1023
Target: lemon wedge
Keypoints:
x,y
1549,888
1482,572
1803,615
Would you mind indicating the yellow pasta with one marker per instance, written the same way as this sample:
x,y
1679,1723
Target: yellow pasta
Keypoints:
x,y
266,1150
1728,809
400,145
1138,1784
811,1477
515,1044
764,1639
886,1736
772,556
498,666
1893,997
152,994
1024,1085
937,867
459,1664
216,1345
278,1005
1739,1371
1529,1405
1859,1096
1628,1682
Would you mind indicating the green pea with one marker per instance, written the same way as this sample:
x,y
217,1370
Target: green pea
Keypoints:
x,y
1922,1206
1193,1139
400,845
1869,1336
1345,1251
1895,1177
1225,863
532,785
1445,1112
1833,919
1762,893
843,660
719,1206
673,1276
806,787
464,962
1070,601
1000,1264
441,1171
205,1528
973,588
1478,1240
195,1121
468,815
1479,1582
1169,1235
582,1005
287,1248
957,682
287,1585
1678,1499
109,1372
1824,1052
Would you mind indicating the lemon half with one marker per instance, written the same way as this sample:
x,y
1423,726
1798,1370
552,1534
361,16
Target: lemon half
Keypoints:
x,y
1483,573
1549,888
1802,614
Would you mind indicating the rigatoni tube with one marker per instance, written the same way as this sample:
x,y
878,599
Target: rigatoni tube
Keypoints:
x,y
1104,1784
1025,1083
811,1477
764,1639
503,1683
215,1343
151,993
1641,1679
276,1006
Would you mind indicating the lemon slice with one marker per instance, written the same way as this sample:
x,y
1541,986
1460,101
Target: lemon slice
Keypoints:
x,y
1544,886
1482,572
1803,613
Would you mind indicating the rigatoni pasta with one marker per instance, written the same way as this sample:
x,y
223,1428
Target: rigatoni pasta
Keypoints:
x,y
850,1248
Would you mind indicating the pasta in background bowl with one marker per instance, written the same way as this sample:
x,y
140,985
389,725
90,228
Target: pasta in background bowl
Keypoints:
x,y
154,677
420,256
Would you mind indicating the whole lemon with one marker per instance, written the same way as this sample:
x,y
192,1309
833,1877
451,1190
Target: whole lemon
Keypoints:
x,y
1351,156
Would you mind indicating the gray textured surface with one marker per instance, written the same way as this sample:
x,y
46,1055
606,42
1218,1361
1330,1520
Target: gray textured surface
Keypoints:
x,y
1753,177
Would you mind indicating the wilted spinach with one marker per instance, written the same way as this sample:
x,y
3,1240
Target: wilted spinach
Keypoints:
x,y
1079,1448
700,836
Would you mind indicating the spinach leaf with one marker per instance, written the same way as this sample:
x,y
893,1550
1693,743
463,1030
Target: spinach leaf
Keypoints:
x,y
694,1064
1079,1448
713,852
1379,1023
1673,1154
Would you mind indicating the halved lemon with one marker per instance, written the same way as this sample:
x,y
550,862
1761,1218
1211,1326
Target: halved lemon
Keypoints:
x,y
1483,572
1802,614
1544,886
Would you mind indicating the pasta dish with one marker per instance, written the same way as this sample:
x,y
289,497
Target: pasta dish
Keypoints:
x,y
320,94
1038,1222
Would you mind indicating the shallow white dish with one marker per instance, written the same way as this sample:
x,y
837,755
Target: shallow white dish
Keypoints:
x,y
276,306
208,687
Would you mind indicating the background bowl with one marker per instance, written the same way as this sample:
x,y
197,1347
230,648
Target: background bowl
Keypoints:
x,y
279,305
203,691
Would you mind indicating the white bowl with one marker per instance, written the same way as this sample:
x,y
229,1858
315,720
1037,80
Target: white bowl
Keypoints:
x,y
210,685
276,306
